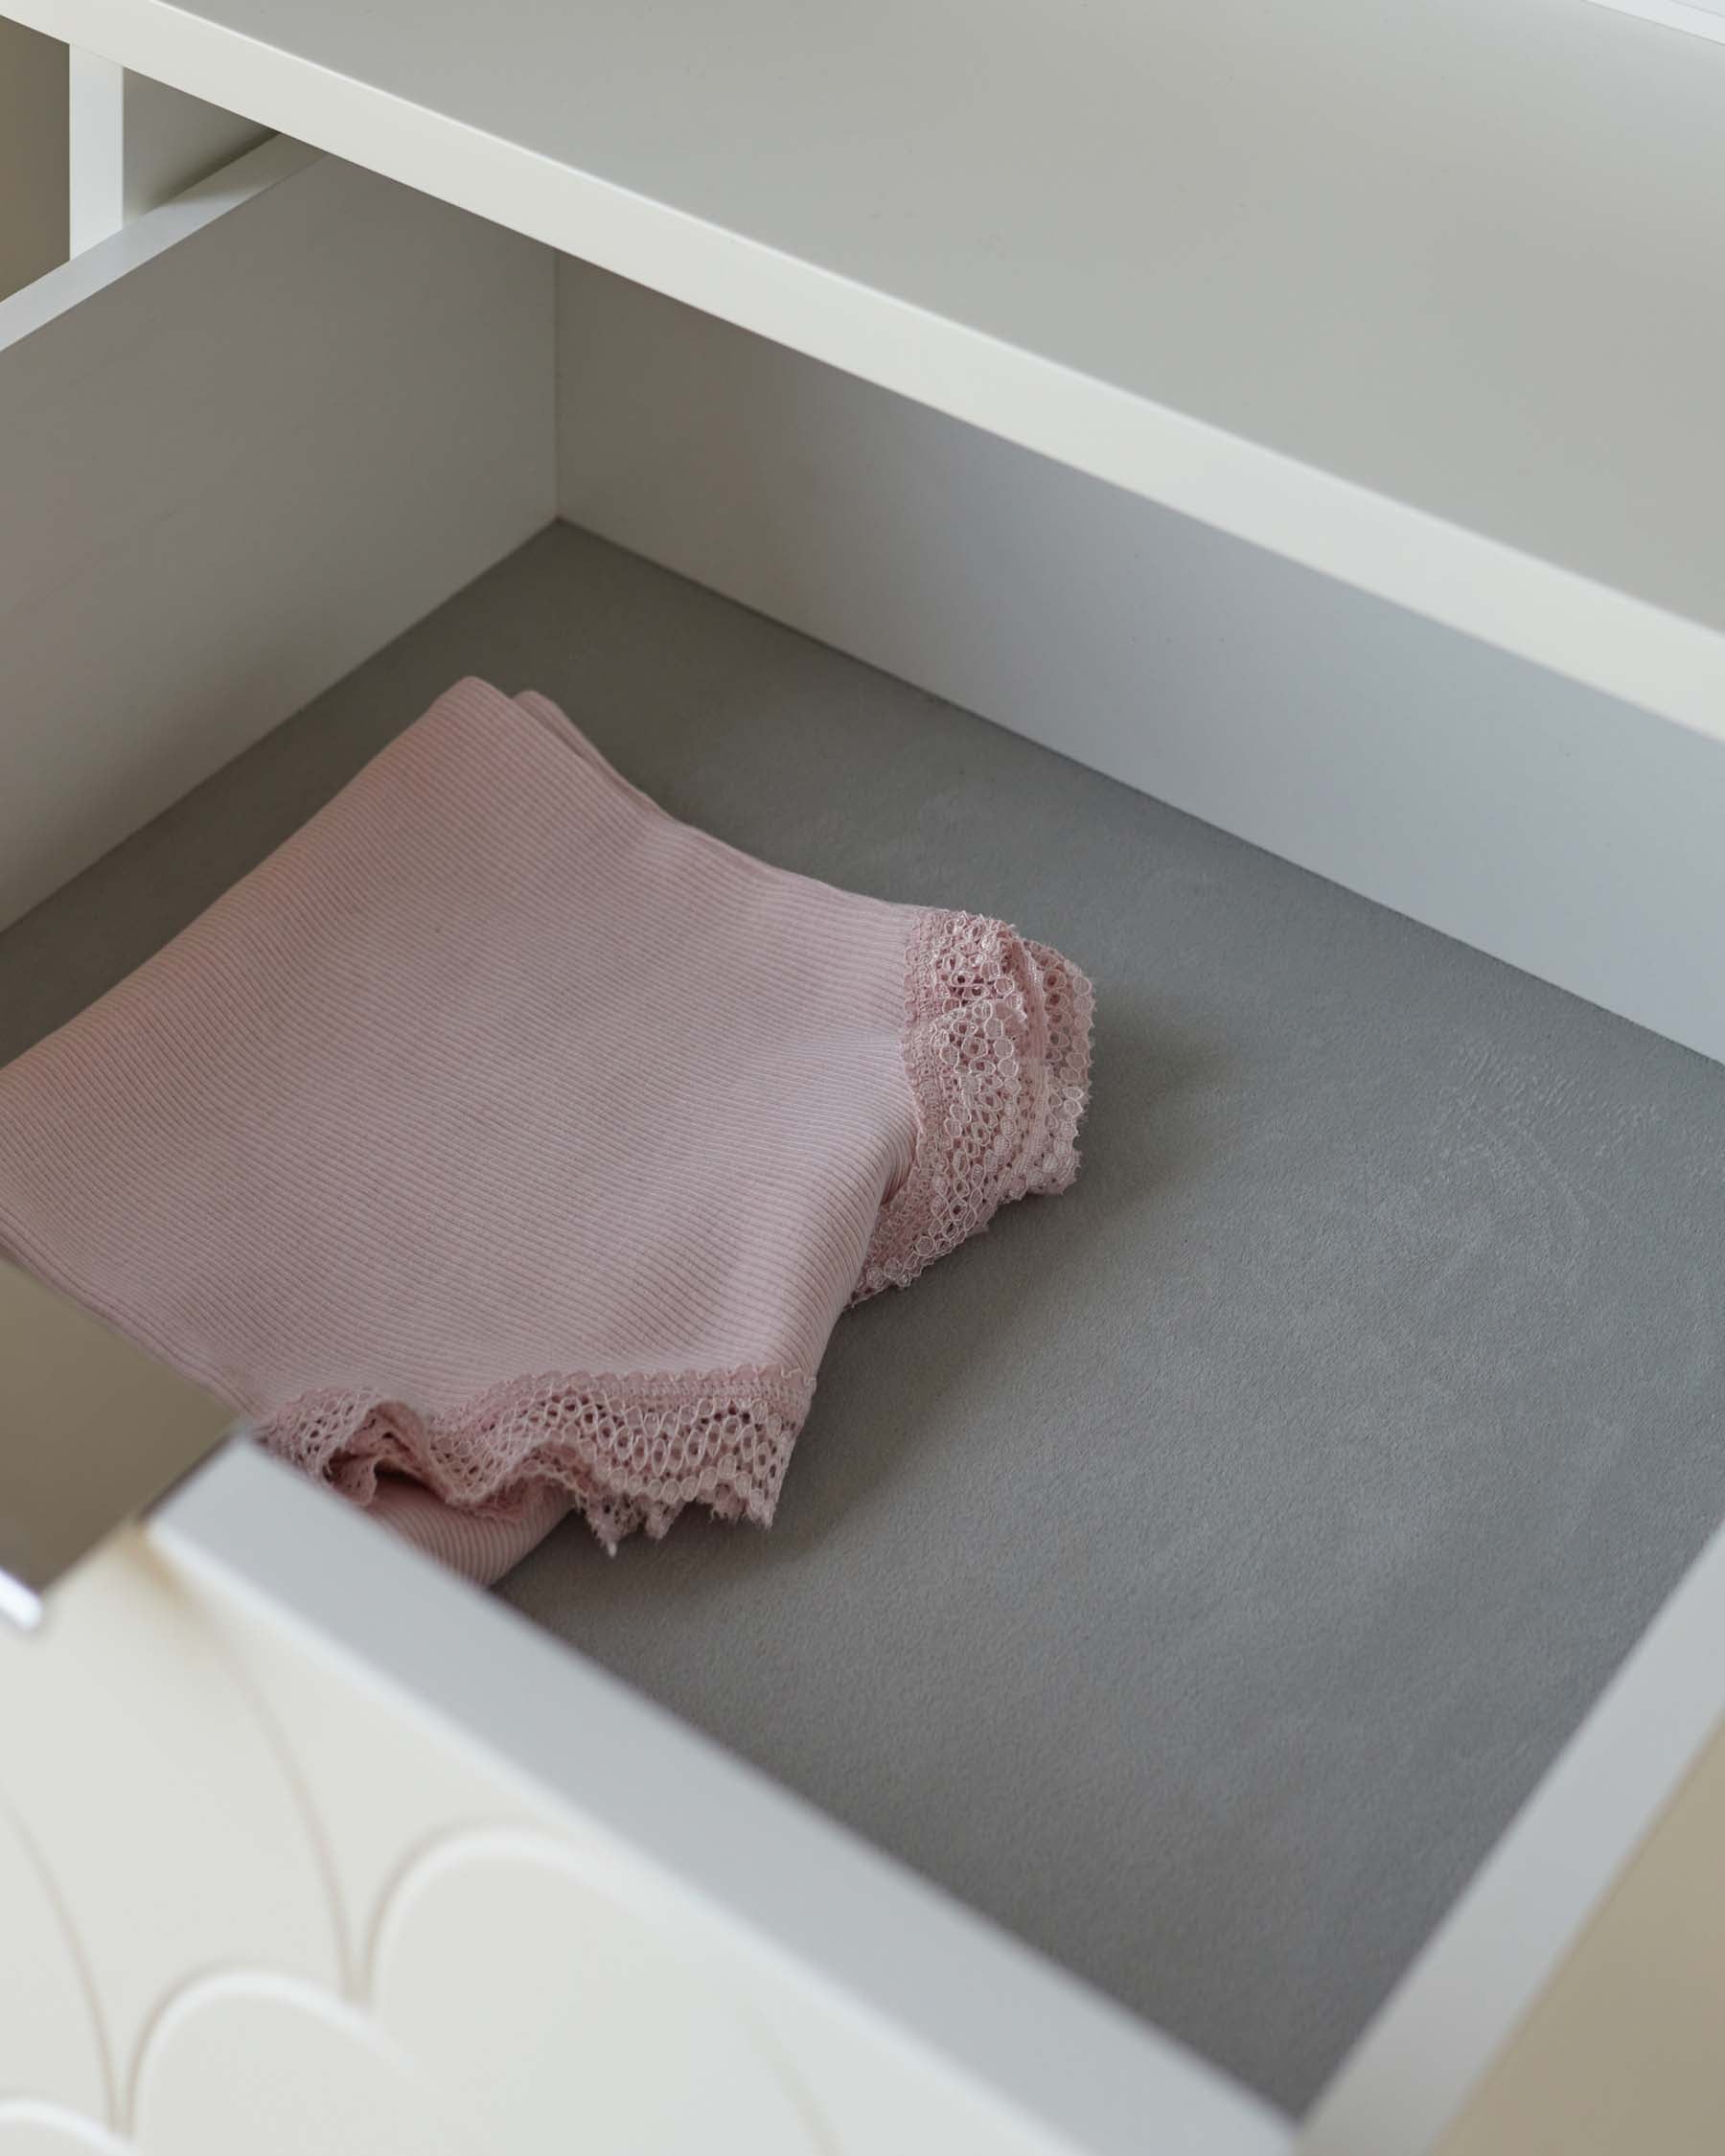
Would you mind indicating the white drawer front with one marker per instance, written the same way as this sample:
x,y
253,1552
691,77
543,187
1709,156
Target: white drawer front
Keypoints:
x,y
270,1883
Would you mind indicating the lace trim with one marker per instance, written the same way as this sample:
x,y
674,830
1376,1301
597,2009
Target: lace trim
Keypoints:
x,y
630,1452
997,1051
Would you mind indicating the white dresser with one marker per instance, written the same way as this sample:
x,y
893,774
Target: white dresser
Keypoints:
x,y
959,338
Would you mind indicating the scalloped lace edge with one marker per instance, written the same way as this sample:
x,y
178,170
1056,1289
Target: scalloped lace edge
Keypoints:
x,y
630,1452
997,1051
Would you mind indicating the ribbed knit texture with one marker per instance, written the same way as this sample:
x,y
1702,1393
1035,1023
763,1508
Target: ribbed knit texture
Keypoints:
x,y
501,1144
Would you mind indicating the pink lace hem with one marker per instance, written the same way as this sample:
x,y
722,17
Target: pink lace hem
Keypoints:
x,y
630,1452
997,1049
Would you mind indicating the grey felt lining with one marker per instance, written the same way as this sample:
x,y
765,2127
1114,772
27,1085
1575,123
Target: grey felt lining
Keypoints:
x,y
1195,1574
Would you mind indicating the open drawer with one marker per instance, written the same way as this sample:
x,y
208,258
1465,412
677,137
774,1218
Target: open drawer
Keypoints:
x,y
1207,1576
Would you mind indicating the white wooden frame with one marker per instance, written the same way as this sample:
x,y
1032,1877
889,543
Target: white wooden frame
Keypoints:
x,y
135,144
1503,465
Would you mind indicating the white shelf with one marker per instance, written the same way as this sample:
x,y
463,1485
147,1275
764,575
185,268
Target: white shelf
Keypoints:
x,y
1430,296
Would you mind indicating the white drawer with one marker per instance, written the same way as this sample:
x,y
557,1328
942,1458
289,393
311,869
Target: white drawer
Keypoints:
x,y
380,1841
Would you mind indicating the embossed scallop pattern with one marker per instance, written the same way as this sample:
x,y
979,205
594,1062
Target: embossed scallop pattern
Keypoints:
x,y
154,1798
268,2066
583,2011
31,2128
195,1813
49,2043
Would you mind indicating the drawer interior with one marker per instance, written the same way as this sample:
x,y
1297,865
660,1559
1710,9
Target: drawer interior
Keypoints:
x,y
1196,1572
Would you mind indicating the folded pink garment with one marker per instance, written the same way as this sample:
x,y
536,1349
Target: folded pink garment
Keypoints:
x,y
501,1145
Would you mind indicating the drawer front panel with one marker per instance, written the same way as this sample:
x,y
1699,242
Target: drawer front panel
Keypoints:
x,y
269,1895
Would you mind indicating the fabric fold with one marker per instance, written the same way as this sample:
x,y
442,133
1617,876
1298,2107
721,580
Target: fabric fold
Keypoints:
x,y
501,1145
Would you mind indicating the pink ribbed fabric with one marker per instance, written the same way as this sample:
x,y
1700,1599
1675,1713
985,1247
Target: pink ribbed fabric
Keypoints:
x,y
500,1144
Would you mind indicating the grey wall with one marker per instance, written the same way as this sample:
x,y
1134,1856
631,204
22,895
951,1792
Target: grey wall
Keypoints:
x,y
33,155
